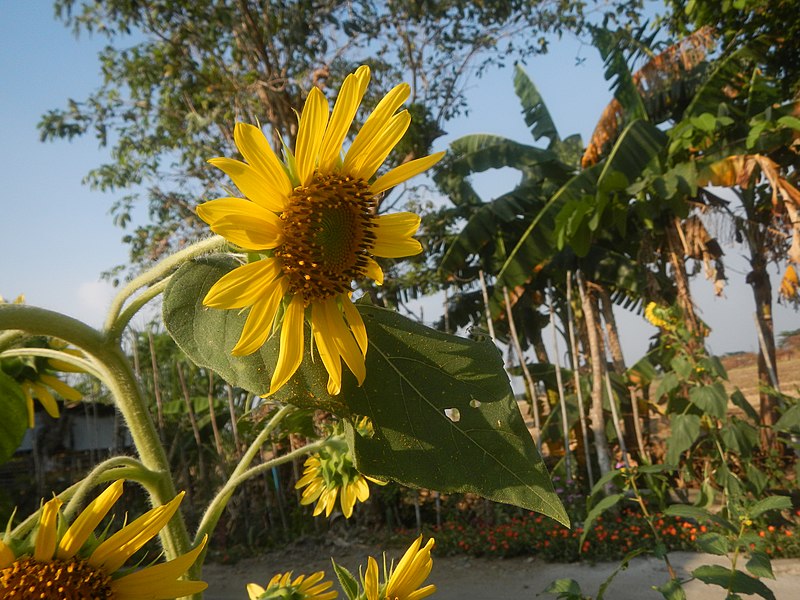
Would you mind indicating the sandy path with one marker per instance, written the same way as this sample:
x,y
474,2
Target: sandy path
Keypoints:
x,y
460,577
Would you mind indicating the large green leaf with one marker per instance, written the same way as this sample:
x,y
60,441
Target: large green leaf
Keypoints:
x,y
442,408
734,581
685,431
15,417
537,117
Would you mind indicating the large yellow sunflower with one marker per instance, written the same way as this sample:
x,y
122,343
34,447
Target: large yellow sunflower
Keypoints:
x,y
405,579
282,587
313,218
71,565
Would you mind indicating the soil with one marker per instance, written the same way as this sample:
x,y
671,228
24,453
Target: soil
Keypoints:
x,y
463,577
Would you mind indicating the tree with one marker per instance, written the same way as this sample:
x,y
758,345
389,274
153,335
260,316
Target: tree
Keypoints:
x,y
178,74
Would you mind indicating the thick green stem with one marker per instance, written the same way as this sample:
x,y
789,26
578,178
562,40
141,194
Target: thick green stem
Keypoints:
x,y
134,470
81,363
121,472
115,330
158,272
118,376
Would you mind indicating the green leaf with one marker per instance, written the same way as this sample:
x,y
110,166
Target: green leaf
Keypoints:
x,y
667,384
672,590
738,399
789,121
760,565
734,581
711,399
537,117
417,380
704,122
685,431
565,589
790,420
713,543
445,417
770,503
682,366
597,510
346,580
14,423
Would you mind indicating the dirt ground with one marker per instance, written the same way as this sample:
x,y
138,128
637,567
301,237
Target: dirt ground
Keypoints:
x,y
461,577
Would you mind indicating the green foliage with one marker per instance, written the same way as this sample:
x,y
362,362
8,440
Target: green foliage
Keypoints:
x,y
442,408
177,74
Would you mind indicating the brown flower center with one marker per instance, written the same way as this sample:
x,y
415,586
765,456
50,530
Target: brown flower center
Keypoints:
x,y
73,579
328,233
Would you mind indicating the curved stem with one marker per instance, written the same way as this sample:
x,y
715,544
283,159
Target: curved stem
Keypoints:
x,y
217,505
121,382
9,338
135,470
158,272
115,330
66,495
81,363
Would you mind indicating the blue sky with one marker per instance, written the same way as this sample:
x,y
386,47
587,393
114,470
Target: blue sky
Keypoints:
x,y
56,236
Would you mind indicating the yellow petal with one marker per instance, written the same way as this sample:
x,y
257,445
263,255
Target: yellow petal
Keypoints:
x,y
344,110
28,393
258,326
257,152
45,398
292,338
77,534
242,222
337,331
309,134
244,286
374,271
375,123
160,582
372,158
65,391
371,579
326,348
348,500
46,534
393,235
255,591
114,551
404,172
356,323
251,183
362,489
421,593
7,557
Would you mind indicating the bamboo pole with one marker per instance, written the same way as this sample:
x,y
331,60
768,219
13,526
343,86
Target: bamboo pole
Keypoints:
x,y
577,378
598,419
485,293
561,398
525,372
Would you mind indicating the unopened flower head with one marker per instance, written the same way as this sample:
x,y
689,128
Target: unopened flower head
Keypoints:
x,y
330,474
283,587
312,218
69,563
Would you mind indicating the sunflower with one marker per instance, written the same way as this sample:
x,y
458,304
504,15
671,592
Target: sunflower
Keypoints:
x,y
36,379
329,474
405,579
74,565
282,587
313,220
